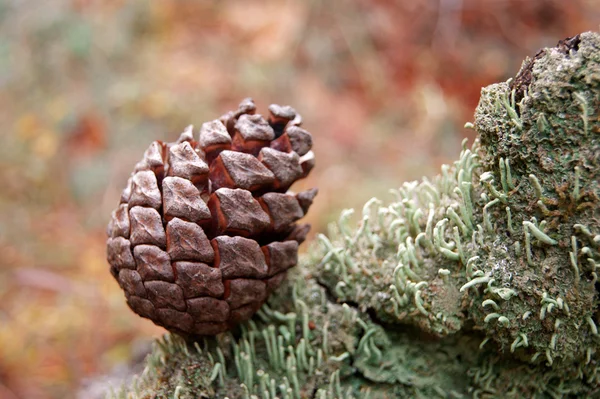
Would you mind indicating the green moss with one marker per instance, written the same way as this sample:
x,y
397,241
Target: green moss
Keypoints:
x,y
480,282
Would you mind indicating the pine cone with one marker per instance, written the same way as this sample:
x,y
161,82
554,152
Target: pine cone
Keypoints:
x,y
205,230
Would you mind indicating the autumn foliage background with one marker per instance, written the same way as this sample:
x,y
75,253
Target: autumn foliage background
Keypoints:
x,y
384,86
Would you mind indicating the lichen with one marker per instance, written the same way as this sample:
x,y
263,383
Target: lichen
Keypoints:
x,y
480,282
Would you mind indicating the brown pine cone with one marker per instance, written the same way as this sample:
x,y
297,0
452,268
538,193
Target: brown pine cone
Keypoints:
x,y
205,230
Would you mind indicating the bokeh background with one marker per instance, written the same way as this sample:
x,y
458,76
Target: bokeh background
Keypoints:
x,y
384,86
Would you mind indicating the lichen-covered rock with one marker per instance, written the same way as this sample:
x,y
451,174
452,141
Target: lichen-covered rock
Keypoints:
x,y
508,238
481,282
543,158
205,229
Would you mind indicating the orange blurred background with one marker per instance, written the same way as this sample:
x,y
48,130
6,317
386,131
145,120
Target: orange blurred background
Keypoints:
x,y
384,86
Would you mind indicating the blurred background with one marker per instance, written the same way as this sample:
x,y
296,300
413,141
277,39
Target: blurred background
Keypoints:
x,y
384,86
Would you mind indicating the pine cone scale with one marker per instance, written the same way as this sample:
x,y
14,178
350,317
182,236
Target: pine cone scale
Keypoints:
x,y
187,241
239,257
208,309
146,227
182,199
153,263
199,279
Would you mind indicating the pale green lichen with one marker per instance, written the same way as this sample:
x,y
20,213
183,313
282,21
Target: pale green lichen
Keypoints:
x,y
481,282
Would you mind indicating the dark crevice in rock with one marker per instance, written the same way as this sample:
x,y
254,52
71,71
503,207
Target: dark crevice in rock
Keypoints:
x,y
596,316
372,313
570,43
330,297
521,82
